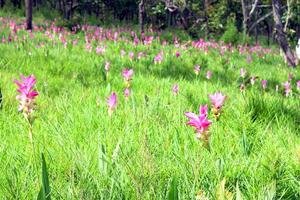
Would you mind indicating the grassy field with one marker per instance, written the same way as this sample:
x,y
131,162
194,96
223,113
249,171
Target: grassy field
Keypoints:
x,y
145,150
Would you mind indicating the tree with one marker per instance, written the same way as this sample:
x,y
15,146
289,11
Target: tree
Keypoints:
x,y
28,12
141,15
281,37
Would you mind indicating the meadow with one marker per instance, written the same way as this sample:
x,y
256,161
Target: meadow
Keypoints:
x,y
138,146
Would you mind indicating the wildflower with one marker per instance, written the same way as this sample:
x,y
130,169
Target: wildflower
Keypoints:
x,y
253,79
100,50
242,87
177,54
127,93
200,123
123,53
107,66
127,74
217,101
204,110
208,74
298,85
243,72
264,84
131,55
112,103
158,58
249,59
27,94
197,69
140,55
287,88
136,40
175,89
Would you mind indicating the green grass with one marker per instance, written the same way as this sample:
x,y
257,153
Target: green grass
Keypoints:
x,y
145,151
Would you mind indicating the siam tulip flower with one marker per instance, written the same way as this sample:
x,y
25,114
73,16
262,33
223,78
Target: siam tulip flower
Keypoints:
x,y
140,55
197,69
75,42
242,87
287,88
177,54
158,58
123,53
298,85
175,89
208,74
253,79
107,66
136,41
131,55
27,94
88,47
204,110
112,103
200,123
127,74
249,59
100,50
127,93
264,84
217,101
243,72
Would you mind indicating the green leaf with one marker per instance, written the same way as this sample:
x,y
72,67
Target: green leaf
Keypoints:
x,y
239,195
44,193
173,190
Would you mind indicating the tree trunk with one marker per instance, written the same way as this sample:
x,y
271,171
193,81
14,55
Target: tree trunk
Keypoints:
x,y
28,12
281,37
246,18
141,15
206,5
2,2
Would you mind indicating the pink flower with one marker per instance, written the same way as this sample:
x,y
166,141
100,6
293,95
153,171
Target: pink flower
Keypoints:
x,y
217,100
242,87
100,50
197,69
287,88
112,103
127,93
175,89
208,74
123,53
249,59
243,72
253,79
204,110
298,85
131,55
136,40
27,94
264,84
88,47
199,122
107,66
158,58
140,55
177,54
127,74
